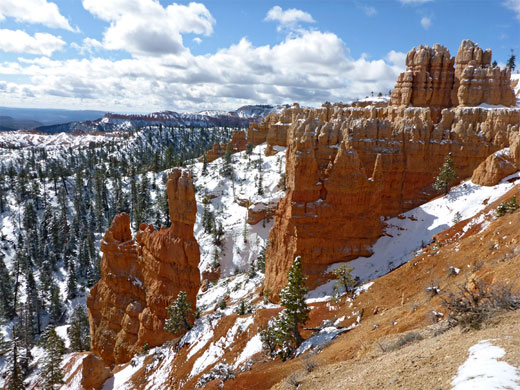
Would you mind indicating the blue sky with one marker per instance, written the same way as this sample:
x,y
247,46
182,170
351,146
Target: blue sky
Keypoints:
x,y
150,55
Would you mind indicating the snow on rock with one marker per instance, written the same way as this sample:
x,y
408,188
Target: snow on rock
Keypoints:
x,y
407,233
483,371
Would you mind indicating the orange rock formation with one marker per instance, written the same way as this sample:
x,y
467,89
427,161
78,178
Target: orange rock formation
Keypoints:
x,y
430,79
348,167
237,144
141,277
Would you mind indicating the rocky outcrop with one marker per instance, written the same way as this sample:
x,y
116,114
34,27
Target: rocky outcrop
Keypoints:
x,y
345,173
494,168
435,79
236,144
85,371
428,79
141,277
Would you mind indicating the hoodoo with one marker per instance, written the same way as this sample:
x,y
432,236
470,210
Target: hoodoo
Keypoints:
x,y
141,277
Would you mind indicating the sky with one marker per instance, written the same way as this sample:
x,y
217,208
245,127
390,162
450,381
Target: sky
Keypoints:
x,y
155,55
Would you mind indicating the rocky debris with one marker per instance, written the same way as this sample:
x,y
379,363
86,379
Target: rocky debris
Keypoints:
x,y
435,79
90,373
141,277
494,168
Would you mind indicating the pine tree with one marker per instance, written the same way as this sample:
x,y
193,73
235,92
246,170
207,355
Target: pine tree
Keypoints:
x,y
344,278
227,168
15,373
6,292
292,297
447,175
511,61
56,308
79,330
72,284
51,372
205,165
178,314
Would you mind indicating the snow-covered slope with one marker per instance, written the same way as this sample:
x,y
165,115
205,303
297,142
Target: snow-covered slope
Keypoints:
x,y
407,233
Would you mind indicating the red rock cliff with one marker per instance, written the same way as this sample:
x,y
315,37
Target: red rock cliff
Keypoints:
x,y
348,167
141,277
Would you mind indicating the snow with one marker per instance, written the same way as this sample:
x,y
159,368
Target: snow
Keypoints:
x,y
121,379
325,336
406,234
253,346
217,349
483,370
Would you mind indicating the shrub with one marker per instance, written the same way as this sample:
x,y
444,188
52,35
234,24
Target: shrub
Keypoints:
x,y
405,339
472,307
507,207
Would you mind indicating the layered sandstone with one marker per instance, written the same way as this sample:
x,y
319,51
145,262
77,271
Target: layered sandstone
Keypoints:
x,y
344,173
494,168
435,79
141,277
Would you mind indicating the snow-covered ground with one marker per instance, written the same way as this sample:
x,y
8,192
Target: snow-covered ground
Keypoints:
x,y
484,371
406,234
242,242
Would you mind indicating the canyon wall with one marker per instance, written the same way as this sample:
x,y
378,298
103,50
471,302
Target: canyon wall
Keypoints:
x,y
348,167
141,277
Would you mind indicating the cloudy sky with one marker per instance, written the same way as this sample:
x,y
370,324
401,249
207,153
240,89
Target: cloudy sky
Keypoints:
x,y
152,55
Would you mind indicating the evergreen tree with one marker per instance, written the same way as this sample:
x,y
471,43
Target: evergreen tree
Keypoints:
x,y
79,330
227,168
15,373
205,165
292,297
511,61
51,372
6,292
344,278
72,284
447,175
178,314
55,308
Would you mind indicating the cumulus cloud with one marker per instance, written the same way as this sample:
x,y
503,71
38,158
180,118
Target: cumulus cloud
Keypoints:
x,y
289,18
145,27
307,66
88,45
426,22
34,11
18,41
513,5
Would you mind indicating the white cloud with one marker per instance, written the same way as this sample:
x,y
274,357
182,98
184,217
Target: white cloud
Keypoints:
x,y
415,1
397,58
145,27
89,45
513,5
307,66
18,41
426,22
369,10
289,18
34,11
197,40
